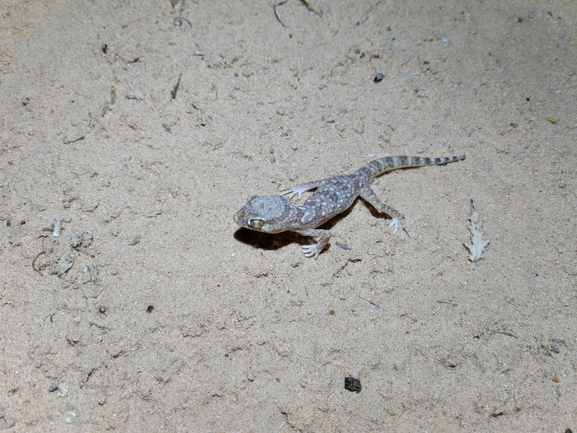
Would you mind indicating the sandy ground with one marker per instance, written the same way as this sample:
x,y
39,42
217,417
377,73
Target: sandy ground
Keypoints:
x,y
153,311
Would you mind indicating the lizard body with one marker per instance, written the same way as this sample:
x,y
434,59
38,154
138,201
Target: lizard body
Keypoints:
x,y
275,214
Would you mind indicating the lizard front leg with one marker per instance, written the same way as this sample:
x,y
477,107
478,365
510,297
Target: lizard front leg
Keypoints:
x,y
303,188
322,237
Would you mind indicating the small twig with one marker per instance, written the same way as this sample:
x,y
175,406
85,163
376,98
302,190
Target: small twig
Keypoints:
x,y
36,258
104,328
132,79
176,86
282,2
507,333
276,5
374,304
449,302
177,21
107,104
343,246
310,8
74,140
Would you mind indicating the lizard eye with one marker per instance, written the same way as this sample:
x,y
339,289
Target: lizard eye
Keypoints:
x,y
256,223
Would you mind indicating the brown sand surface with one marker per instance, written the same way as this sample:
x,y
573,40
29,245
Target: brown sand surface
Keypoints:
x,y
153,311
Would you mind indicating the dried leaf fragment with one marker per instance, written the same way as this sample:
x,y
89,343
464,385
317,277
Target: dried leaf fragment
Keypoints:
x,y
478,244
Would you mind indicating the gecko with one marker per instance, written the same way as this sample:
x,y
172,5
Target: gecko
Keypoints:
x,y
276,214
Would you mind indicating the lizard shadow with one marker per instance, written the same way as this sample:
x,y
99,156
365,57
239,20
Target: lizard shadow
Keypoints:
x,y
266,241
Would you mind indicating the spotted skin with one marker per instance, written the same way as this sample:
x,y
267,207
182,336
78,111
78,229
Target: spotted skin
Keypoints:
x,y
275,214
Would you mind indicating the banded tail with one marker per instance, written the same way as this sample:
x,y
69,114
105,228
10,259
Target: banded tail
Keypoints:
x,y
388,163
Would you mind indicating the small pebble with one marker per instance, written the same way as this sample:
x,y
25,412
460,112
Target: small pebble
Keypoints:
x,y
56,228
378,78
352,384
69,417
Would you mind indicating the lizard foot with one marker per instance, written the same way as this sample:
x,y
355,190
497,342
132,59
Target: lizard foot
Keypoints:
x,y
298,191
398,225
311,250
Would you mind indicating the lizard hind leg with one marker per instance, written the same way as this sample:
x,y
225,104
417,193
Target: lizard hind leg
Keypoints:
x,y
323,237
397,223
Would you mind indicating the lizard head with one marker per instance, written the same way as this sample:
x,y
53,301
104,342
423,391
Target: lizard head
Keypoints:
x,y
268,214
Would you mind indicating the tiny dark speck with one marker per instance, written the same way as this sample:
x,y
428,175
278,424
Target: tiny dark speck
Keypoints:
x,y
378,78
352,384
150,308
104,48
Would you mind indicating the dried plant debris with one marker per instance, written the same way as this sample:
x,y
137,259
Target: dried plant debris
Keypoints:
x,y
282,2
175,88
478,244
81,239
108,104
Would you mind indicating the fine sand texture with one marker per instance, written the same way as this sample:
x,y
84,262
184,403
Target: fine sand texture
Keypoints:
x,y
132,131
